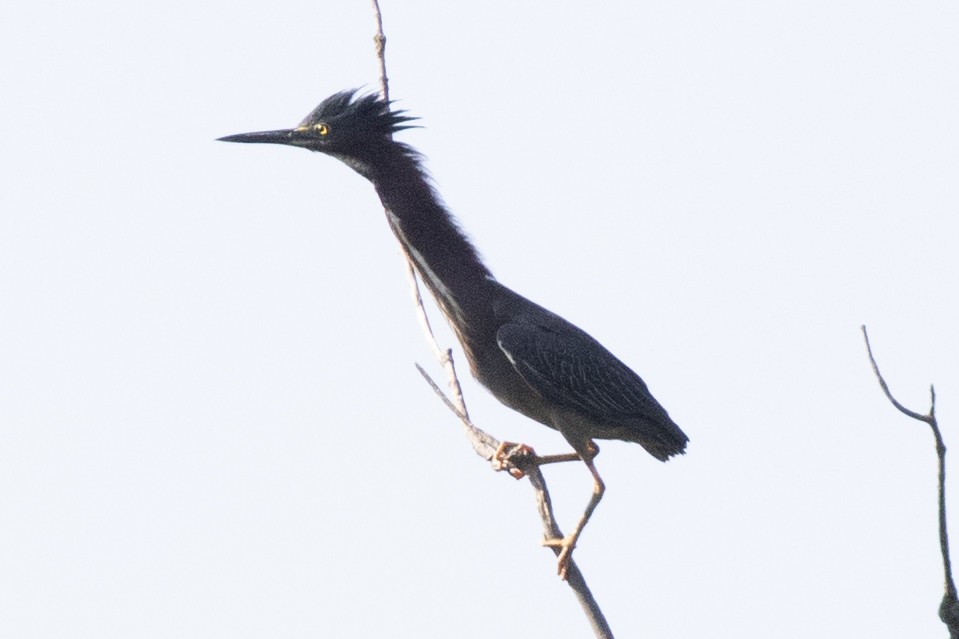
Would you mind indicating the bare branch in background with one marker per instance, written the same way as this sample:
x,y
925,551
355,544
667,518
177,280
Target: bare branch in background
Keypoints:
x,y
949,608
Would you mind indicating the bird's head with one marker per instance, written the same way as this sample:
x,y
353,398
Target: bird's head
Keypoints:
x,y
345,125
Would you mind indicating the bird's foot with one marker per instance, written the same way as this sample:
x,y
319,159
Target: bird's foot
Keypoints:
x,y
566,545
513,457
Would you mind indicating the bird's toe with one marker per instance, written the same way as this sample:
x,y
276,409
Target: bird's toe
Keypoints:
x,y
566,545
511,457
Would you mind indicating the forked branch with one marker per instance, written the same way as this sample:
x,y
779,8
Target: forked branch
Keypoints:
x,y
949,608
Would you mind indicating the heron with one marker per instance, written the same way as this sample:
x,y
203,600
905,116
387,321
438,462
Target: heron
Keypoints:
x,y
531,359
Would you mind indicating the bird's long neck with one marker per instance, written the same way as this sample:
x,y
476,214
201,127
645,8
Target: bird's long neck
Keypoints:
x,y
444,257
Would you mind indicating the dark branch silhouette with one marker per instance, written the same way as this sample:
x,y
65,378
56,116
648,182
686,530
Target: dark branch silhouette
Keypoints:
x,y
949,608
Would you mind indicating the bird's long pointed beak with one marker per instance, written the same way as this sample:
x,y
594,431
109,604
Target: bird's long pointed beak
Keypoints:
x,y
282,136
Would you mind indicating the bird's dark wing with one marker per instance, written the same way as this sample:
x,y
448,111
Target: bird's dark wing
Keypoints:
x,y
571,369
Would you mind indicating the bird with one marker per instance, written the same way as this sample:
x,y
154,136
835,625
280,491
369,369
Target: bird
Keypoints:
x,y
531,359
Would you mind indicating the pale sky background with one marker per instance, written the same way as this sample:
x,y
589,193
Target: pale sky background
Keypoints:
x,y
210,421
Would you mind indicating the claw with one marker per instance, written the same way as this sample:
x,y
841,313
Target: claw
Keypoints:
x,y
566,544
503,458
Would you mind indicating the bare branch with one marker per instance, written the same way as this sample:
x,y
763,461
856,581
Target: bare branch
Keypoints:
x,y
949,608
379,41
484,444
885,387
444,357
597,620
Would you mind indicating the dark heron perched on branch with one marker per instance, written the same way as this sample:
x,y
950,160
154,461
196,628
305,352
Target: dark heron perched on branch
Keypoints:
x,y
532,360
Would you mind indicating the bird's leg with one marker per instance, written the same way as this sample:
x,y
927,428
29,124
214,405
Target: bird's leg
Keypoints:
x,y
565,457
514,457
567,544
555,459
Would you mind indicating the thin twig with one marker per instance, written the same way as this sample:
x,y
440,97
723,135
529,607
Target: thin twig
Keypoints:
x,y
444,357
379,41
949,608
885,387
484,444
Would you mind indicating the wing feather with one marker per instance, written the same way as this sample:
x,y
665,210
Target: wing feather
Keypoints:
x,y
571,369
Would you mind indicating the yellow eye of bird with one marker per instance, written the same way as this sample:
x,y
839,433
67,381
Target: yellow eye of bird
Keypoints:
x,y
321,128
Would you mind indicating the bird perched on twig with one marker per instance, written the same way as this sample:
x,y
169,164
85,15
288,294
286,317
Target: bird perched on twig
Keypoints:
x,y
531,359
